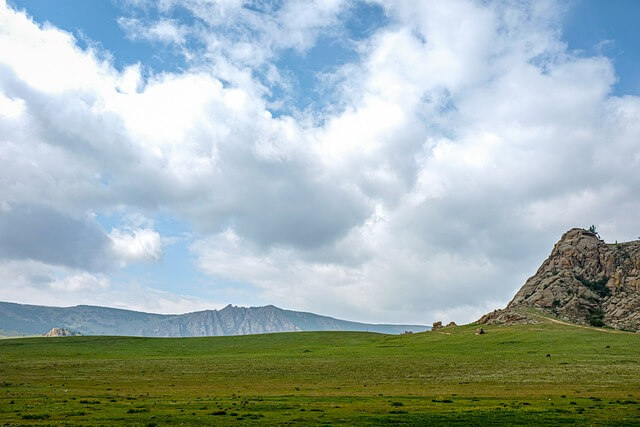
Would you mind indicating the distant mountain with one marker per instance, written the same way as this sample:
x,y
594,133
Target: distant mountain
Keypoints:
x,y
21,319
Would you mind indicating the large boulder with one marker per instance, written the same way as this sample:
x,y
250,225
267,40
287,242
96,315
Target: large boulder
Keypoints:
x,y
59,332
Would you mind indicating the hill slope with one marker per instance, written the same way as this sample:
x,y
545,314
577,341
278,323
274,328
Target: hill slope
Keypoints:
x,y
446,377
584,281
20,319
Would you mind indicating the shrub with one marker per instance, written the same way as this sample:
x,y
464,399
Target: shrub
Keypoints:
x,y
137,410
595,317
35,416
599,286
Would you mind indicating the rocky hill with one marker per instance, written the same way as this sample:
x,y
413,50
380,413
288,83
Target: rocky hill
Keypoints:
x,y
59,332
20,319
584,281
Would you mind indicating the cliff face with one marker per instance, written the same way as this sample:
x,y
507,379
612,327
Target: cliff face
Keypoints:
x,y
228,321
584,281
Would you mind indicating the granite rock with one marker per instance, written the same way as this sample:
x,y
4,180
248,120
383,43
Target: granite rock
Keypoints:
x,y
584,281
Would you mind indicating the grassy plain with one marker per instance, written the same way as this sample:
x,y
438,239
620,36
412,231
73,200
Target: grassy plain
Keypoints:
x,y
448,376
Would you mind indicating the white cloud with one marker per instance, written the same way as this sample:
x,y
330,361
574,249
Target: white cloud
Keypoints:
x,y
164,30
463,151
29,46
11,108
40,281
140,244
37,283
239,32
79,282
45,235
465,139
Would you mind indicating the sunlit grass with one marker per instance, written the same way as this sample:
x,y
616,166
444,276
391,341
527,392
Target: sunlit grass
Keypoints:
x,y
450,375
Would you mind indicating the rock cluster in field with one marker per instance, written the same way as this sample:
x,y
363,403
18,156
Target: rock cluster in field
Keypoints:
x,y
584,281
59,332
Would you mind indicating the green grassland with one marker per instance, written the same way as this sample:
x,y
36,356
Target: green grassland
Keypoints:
x,y
312,378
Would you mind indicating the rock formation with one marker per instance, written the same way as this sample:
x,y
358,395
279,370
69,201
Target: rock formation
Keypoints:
x,y
584,281
59,332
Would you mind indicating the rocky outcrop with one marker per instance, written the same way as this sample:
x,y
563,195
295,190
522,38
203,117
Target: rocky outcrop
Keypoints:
x,y
584,281
507,317
59,332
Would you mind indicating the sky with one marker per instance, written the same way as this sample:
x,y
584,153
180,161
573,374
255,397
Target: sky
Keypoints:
x,y
377,161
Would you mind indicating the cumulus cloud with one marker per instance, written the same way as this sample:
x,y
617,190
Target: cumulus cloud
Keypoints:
x,y
465,138
45,235
136,245
26,279
42,234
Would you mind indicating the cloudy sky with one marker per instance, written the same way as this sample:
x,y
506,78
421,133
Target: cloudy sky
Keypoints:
x,y
380,161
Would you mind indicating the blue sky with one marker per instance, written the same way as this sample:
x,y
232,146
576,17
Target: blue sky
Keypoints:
x,y
97,22
592,26
327,156
608,28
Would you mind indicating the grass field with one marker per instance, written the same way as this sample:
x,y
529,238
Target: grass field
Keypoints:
x,y
448,376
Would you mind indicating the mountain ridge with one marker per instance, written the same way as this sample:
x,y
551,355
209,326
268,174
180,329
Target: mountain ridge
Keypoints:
x,y
25,319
